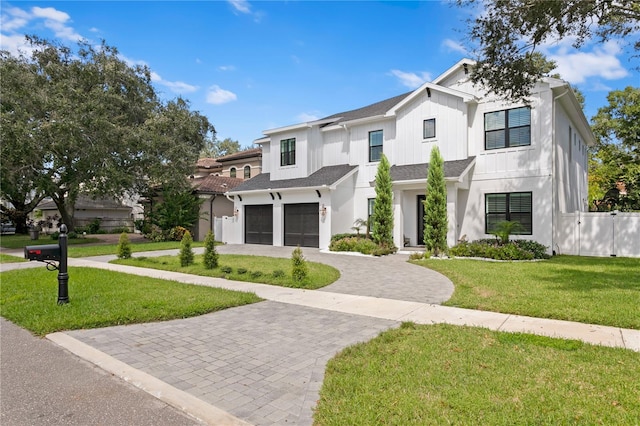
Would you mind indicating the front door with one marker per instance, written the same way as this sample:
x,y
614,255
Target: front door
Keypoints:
x,y
420,226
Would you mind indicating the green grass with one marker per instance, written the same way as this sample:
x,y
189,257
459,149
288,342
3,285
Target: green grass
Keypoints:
x,y
320,275
592,290
106,249
101,298
5,258
443,374
18,241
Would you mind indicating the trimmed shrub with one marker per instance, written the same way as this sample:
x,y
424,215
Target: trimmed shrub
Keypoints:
x,y
299,268
241,271
256,274
186,253
337,237
177,233
227,269
491,249
278,273
124,247
210,254
358,244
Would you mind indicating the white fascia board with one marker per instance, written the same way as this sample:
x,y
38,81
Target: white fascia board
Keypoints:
x,y
453,69
466,170
290,189
357,122
300,126
574,110
466,97
262,140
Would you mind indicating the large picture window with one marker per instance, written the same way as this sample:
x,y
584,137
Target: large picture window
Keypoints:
x,y
375,145
507,128
513,206
288,152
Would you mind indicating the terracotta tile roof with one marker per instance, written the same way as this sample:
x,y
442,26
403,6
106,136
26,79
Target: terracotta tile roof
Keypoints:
x,y
207,163
253,152
216,184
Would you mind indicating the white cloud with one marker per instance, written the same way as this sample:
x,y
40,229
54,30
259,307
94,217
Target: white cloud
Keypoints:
x,y
576,66
174,86
50,13
226,68
453,46
306,117
56,20
219,96
411,80
241,6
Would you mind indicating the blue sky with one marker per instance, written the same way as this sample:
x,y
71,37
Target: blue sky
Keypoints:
x,y
255,65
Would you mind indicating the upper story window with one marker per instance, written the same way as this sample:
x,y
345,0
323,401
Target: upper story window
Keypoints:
x,y
375,145
247,172
429,128
232,172
288,152
507,128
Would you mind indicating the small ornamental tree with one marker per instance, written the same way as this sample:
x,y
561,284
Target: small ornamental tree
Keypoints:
x,y
382,217
435,206
210,253
124,247
299,268
186,254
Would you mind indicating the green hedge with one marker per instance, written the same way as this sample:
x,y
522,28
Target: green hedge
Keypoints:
x,y
491,249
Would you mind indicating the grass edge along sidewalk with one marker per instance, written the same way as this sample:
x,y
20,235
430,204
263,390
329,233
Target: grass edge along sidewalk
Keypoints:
x,y
100,298
592,290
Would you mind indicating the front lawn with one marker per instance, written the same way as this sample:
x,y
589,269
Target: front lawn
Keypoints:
x,y
100,298
443,374
107,249
18,241
256,269
5,258
592,290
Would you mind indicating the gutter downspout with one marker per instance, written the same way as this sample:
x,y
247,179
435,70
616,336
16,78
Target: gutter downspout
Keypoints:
x,y
211,223
554,148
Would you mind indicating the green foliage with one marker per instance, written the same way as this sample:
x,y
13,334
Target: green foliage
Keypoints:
x,y
94,226
81,121
299,268
337,237
124,247
211,256
616,158
178,208
186,253
216,149
278,273
382,217
417,255
506,228
241,271
508,33
226,269
355,243
490,249
435,205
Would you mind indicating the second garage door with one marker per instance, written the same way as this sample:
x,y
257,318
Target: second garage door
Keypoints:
x,y
258,224
301,225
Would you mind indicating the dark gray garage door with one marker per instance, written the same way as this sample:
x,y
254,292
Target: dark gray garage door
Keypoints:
x,y
301,225
258,224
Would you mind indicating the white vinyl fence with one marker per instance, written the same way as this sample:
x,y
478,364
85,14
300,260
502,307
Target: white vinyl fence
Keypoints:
x,y
599,234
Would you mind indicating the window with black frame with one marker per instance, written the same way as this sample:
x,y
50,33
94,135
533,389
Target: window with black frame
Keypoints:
x,y
510,206
429,128
375,145
507,128
288,152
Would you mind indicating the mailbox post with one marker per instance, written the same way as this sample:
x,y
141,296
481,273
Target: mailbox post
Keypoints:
x,y
54,253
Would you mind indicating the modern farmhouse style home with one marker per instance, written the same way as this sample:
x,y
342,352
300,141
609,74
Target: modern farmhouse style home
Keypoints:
x,y
503,161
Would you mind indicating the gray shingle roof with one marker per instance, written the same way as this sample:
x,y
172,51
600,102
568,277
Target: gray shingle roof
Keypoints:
x,y
325,176
372,110
452,169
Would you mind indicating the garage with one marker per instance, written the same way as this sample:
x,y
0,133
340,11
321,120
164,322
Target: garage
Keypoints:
x,y
302,225
258,224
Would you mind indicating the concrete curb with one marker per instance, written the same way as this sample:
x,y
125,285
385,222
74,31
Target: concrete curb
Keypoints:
x,y
189,404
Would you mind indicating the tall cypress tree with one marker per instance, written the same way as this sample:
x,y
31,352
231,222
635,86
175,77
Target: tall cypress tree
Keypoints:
x,y
382,209
435,206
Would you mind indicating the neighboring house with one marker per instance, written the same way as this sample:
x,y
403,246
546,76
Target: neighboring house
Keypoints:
x,y
503,161
242,165
215,204
111,213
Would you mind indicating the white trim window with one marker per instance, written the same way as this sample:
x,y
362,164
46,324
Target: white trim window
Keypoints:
x,y
375,145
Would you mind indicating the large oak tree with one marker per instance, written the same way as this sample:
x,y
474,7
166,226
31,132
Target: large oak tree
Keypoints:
x,y
509,32
85,122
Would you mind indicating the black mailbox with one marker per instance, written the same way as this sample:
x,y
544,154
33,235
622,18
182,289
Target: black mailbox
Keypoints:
x,y
42,253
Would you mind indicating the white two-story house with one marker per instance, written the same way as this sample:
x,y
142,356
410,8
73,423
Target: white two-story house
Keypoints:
x,y
503,161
